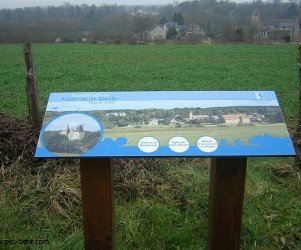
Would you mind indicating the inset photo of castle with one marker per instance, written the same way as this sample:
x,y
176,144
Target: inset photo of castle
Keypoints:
x,y
73,133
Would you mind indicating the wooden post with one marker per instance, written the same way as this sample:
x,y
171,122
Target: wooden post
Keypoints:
x,y
97,199
226,193
31,87
297,135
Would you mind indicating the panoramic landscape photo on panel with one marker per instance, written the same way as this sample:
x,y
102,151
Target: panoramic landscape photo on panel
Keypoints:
x,y
164,123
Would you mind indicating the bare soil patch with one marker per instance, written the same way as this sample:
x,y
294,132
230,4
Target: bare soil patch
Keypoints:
x,y
17,139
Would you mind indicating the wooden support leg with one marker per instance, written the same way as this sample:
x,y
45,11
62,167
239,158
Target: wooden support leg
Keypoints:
x,y
97,199
226,194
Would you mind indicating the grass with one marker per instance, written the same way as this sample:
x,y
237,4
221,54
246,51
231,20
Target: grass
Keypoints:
x,y
193,133
83,67
152,211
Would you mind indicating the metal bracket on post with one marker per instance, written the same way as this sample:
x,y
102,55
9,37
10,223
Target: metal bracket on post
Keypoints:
x,y
226,194
97,198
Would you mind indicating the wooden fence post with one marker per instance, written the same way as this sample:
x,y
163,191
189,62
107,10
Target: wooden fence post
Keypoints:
x,y
297,135
31,87
97,182
226,194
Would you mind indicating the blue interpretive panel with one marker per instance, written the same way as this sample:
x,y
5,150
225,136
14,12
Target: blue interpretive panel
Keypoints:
x,y
164,124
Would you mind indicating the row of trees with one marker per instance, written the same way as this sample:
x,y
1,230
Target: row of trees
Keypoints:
x,y
223,19
57,143
137,117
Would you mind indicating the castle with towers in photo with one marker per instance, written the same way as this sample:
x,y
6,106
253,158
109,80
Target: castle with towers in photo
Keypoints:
x,y
74,133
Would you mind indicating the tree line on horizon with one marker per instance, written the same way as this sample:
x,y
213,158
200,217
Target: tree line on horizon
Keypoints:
x,y
271,115
219,19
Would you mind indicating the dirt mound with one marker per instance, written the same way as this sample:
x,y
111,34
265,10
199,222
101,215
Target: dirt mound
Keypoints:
x,y
17,139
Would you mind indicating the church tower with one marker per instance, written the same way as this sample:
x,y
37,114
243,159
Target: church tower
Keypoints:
x,y
255,18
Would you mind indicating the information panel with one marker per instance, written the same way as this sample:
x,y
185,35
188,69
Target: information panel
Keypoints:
x,y
164,124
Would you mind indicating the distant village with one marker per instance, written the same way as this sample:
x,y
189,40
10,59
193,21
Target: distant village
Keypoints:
x,y
263,31
191,120
187,22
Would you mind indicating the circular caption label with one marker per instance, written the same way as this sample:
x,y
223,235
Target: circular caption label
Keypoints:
x,y
207,144
178,144
148,144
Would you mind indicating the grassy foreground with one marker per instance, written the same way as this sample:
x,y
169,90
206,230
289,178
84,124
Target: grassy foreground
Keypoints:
x,y
150,211
160,203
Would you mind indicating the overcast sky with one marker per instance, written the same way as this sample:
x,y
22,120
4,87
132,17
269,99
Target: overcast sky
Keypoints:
x,y
29,3
90,124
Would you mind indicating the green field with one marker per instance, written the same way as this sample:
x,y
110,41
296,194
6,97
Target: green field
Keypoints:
x,y
165,209
83,67
164,133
